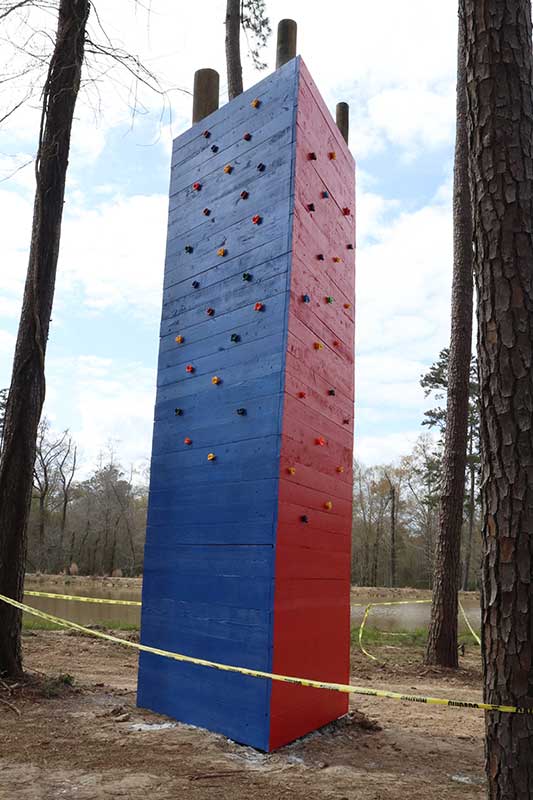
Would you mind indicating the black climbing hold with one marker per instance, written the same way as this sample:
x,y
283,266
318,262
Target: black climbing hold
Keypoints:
x,y
304,518
349,246
247,276
320,257
178,412
310,206
261,167
332,392
188,248
241,412
325,195
195,284
235,337
214,148
306,298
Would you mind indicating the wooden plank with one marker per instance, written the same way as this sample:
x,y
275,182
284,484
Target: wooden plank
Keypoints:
x,y
205,533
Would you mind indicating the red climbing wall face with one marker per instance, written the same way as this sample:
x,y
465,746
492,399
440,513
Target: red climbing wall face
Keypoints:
x,y
312,568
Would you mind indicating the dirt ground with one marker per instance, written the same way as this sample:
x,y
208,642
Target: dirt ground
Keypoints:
x,y
88,741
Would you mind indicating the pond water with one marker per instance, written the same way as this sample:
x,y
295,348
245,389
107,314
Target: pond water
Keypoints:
x,y
386,618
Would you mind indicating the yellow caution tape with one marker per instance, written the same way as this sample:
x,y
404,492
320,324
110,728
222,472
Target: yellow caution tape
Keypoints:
x,y
402,603
255,673
79,599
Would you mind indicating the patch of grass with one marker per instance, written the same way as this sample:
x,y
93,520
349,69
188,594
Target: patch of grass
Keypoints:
x,y
54,686
30,623
401,638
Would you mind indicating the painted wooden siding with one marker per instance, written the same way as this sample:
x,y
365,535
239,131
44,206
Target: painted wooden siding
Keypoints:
x,y
209,560
312,581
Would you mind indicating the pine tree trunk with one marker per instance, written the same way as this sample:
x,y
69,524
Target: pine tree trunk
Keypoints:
x,y
233,48
499,64
26,394
442,640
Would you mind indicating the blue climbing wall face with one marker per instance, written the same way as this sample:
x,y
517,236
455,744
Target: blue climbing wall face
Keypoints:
x,y
209,561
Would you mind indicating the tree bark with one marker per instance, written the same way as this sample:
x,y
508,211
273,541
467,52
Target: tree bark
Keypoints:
x,y
27,390
233,48
499,64
442,640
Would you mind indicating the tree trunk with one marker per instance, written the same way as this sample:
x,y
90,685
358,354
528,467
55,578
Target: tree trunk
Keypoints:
x,y
27,390
442,640
233,48
499,64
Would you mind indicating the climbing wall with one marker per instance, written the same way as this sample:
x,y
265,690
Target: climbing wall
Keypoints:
x,y
247,557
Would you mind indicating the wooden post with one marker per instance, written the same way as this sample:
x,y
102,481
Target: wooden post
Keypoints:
x,y
343,119
286,48
205,94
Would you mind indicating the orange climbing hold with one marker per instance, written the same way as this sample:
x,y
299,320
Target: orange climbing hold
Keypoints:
x,y
332,155
228,169
340,469
328,505
291,470
337,259
347,305
256,102
221,251
211,457
179,339
216,380
318,345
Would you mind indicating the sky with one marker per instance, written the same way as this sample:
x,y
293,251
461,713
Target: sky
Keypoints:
x,y
394,63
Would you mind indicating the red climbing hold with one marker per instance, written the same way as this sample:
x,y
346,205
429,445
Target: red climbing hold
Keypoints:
x,y
187,440
301,395
245,195
206,134
258,307
210,312
247,137
346,211
257,219
320,441
189,368
197,186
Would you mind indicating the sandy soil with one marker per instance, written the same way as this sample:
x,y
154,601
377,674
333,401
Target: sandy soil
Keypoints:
x,y
86,743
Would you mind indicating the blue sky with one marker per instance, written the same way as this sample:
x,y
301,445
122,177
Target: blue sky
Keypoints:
x,y
393,62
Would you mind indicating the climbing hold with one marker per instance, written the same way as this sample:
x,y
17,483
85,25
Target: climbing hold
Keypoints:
x,y
245,195
304,518
310,206
179,339
247,137
210,312
331,392
178,412
340,469
318,345
346,211
325,195
256,102
329,299
291,470
257,219
241,412
188,248
247,276
206,134
347,305
346,421
215,380
332,156
301,395
328,505
261,167
312,156
335,343
228,169
189,368
259,307
235,337
337,259
306,298
349,246
187,440
320,441
206,212
320,257
214,148
211,457
221,251
195,284
197,186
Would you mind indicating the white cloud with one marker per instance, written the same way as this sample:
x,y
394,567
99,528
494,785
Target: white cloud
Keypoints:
x,y
385,448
